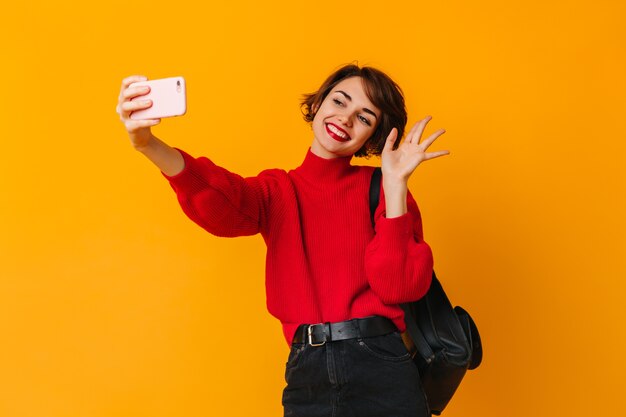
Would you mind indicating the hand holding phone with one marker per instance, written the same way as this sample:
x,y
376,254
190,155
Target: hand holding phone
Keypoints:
x,y
168,96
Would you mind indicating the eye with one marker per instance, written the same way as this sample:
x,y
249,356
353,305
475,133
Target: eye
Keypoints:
x,y
364,120
337,102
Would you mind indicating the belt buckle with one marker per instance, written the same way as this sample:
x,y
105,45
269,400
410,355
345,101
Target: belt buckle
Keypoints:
x,y
310,334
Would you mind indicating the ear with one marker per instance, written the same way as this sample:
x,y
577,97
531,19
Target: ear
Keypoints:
x,y
312,112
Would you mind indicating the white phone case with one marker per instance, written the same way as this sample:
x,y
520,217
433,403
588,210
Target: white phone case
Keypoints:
x,y
168,97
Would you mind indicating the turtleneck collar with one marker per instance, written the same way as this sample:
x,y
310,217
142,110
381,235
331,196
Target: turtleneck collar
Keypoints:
x,y
316,168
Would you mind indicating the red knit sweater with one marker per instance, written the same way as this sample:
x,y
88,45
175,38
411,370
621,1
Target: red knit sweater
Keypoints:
x,y
324,262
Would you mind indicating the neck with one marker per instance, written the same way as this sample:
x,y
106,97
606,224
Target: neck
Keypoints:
x,y
319,169
317,150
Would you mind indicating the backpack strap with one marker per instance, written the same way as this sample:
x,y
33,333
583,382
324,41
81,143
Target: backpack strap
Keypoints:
x,y
375,192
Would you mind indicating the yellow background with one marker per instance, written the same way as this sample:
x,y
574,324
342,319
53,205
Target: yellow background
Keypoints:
x,y
113,303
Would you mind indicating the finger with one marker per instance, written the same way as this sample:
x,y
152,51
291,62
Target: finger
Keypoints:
x,y
127,107
132,92
126,82
429,140
432,155
409,136
129,95
130,106
418,129
391,140
132,125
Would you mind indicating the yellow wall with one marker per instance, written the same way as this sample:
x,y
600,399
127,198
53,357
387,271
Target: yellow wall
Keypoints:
x,y
111,300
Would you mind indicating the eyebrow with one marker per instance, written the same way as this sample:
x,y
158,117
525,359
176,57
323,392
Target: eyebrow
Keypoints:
x,y
365,109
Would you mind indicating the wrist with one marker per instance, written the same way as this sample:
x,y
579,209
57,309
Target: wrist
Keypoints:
x,y
395,198
143,143
394,186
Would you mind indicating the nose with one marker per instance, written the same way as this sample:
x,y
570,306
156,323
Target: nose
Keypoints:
x,y
345,119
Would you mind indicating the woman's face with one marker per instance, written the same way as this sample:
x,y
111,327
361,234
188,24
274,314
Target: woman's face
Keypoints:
x,y
344,121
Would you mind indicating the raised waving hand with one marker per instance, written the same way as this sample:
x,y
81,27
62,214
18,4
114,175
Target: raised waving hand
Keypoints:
x,y
399,164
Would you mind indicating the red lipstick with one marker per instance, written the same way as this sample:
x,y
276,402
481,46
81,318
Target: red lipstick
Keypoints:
x,y
337,133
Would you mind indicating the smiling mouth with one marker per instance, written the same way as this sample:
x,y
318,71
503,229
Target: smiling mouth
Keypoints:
x,y
337,133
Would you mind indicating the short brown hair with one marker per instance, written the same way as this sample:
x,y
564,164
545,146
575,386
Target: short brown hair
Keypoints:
x,y
382,91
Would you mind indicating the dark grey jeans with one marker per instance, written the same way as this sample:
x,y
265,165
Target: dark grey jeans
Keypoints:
x,y
367,377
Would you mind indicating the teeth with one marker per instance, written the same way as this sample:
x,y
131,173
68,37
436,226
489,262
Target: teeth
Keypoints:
x,y
337,132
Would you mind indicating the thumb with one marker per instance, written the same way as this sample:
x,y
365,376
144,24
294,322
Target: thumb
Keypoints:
x,y
391,140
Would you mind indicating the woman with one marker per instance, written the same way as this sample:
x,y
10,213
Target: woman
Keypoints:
x,y
333,281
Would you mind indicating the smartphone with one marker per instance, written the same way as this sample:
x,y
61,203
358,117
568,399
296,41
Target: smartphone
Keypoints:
x,y
168,97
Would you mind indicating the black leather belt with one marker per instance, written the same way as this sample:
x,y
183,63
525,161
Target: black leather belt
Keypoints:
x,y
318,334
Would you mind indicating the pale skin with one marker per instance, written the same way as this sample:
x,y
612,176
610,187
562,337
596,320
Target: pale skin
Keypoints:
x,y
397,165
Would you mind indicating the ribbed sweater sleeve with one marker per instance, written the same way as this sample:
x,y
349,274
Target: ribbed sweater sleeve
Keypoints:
x,y
221,202
398,262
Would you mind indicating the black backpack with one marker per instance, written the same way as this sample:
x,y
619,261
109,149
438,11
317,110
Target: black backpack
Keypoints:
x,y
446,338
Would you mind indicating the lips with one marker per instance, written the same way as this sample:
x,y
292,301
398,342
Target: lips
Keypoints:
x,y
337,133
